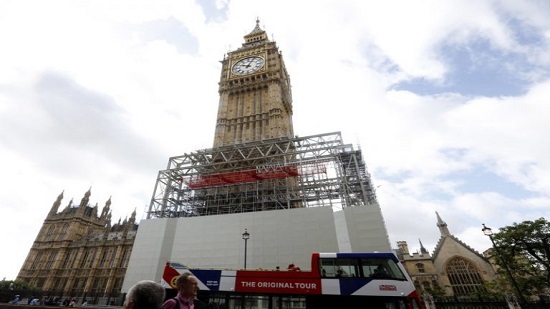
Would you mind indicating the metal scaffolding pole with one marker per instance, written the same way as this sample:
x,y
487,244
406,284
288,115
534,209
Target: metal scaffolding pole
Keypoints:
x,y
281,173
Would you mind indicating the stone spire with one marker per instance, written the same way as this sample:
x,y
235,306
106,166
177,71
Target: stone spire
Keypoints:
x,y
94,211
56,204
442,226
86,199
257,29
106,208
422,249
129,224
69,205
256,36
84,202
133,217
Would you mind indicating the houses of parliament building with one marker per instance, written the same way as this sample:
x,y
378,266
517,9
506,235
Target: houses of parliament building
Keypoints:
x,y
78,252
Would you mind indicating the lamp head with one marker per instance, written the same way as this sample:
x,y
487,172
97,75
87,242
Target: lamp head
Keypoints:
x,y
487,230
246,235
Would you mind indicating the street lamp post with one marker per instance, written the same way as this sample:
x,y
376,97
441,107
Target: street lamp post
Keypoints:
x,y
489,232
246,236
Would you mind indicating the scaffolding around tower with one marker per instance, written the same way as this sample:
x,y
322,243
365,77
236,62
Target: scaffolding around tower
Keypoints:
x,y
281,173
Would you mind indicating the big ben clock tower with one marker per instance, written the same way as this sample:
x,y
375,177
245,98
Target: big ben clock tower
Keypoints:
x,y
294,194
258,165
255,96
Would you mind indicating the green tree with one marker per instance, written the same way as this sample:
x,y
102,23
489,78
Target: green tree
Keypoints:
x,y
493,290
525,248
15,285
10,288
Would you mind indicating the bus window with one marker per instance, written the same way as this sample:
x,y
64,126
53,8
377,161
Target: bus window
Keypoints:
x,y
214,299
288,302
249,301
334,267
381,268
328,269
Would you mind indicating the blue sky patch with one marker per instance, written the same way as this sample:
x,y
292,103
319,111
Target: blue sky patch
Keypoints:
x,y
481,180
211,11
173,32
476,69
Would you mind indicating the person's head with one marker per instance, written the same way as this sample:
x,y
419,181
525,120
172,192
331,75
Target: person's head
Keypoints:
x,y
145,294
187,285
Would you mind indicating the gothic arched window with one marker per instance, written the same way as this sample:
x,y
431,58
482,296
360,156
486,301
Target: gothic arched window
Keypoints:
x,y
420,267
63,232
464,276
49,233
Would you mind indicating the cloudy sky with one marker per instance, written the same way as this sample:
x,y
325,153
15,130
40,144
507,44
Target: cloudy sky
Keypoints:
x,y
449,101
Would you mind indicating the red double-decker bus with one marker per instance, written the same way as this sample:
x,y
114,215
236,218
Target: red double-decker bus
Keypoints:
x,y
336,280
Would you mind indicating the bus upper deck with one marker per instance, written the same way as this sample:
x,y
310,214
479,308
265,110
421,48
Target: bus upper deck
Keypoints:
x,y
337,278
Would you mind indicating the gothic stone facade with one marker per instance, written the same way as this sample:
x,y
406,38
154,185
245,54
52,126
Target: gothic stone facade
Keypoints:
x,y
80,254
454,268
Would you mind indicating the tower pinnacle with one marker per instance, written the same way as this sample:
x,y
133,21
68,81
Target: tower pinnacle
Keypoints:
x,y
56,204
442,226
422,249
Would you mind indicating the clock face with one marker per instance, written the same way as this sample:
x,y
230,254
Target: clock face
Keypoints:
x,y
248,65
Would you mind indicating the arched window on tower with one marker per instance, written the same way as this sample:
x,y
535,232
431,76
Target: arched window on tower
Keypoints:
x,y
49,233
69,258
420,267
63,232
36,261
464,276
51,260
